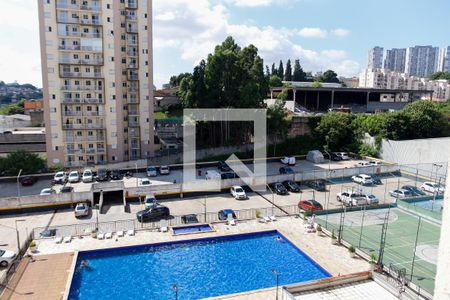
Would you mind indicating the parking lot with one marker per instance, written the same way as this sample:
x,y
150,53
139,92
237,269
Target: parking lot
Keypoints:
x,y
11,189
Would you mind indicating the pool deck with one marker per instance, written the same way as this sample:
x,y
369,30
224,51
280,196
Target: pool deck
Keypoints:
x,y
334,259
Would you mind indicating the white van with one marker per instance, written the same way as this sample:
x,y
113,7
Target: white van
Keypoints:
x,y
212,175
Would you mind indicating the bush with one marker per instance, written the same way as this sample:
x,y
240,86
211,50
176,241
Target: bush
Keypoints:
x,y
28,162
367,150
351,249
319,228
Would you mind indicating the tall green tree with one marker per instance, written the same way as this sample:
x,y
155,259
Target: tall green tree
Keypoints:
x,y
267,71
28,162
275,81
329,76
288,71
274,70
298,74
281,70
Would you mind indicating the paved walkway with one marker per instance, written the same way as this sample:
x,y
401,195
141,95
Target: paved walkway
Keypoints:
x,y
45,278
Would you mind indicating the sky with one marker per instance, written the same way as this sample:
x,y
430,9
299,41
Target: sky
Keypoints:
x,y
323,34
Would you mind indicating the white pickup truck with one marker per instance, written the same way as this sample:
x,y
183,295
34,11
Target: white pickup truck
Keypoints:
x,y
352,199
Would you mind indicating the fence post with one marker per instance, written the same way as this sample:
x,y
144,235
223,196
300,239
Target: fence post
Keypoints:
x,y
362,225
414,249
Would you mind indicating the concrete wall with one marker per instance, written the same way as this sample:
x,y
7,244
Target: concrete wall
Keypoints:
x,y
416,151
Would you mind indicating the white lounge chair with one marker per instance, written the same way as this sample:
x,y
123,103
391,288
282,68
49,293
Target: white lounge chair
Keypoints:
x,y
109,235
101,236
131,232
262,220
272,218
266,218
230,220
58,239
163,226
67,239
120,233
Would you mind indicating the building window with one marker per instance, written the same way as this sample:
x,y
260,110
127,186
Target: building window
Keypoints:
x,y
108,6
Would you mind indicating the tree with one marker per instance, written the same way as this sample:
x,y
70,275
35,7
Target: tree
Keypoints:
x,y
28,162
274,70
335,130
281,70
267,71
175,81
275,81
13,109
329,76
299,74
288,72
277,125
440,75
316,84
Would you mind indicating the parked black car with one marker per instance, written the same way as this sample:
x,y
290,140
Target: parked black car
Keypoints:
x,y
318,185
153,213
116,174
102,175
228,175
286,170
291,186
414,190
28,180
279,188
66,189
222,166
222,214
189,219
334,156
376,179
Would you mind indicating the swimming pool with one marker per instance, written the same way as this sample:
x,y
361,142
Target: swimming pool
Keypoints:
x,y
200,268
197,228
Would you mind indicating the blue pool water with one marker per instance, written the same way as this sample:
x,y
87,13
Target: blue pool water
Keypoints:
x,y
192,229
200,268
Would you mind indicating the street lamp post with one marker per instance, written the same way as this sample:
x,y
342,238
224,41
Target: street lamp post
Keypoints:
x,y
274,272
18,185
175,289
17,233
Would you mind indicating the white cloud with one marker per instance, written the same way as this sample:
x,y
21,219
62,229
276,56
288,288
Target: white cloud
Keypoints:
x,y
312,32
200,25
340,32
256,3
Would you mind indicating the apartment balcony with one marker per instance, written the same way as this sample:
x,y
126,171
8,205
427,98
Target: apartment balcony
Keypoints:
x,y
90,21
82,101
81,74
83,113
133,124
132,28
132,66
132,18
90,7
132,53
133,113
98,138
132,76
131,4
132,89
73,139
93,88
135,146
101,150
83,126
133,100
66,20
69,61
134,135
62,5
69,47
75,151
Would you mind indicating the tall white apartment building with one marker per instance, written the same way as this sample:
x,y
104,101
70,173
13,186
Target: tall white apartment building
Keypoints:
x,y
385,79
446,64
375,58
395,59
421,61
97,71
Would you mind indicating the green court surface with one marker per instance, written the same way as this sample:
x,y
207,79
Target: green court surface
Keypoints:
x,y
363,230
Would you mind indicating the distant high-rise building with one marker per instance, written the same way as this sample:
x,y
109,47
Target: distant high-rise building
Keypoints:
x,y
97,67
441,59
421,61
395,60
375,58
446,65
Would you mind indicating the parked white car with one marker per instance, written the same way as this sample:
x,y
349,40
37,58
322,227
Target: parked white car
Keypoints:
x,y
151,171
401,194
363,179
47,192
164,170
375,163
88,176
6,257
352,199
372,199
288,160
363,164
81,210
149,201
432,187
238,192
60,177
144,182
343,155
74,177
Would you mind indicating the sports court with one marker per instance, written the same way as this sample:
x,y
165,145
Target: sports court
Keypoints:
x,y
411,242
